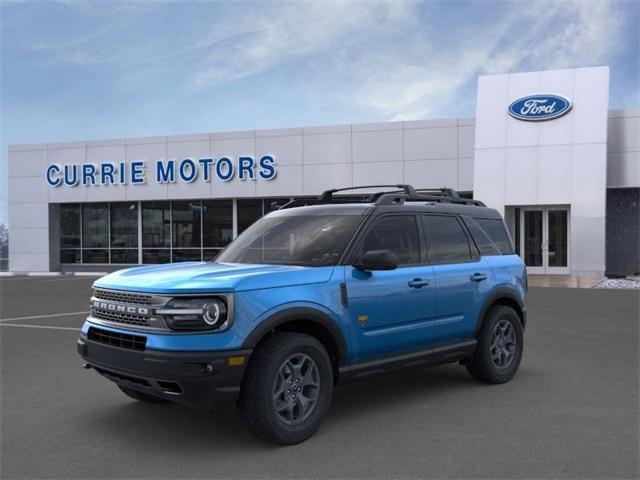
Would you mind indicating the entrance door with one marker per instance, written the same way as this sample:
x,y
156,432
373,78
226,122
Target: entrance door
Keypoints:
x,y
544,239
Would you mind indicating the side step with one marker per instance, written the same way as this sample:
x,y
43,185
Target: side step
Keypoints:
x,y
429,357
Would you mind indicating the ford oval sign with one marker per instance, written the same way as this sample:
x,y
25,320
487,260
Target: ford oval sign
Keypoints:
x,y
536,108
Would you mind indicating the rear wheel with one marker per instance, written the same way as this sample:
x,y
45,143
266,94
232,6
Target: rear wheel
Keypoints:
x,y
287,388
141,396
500,345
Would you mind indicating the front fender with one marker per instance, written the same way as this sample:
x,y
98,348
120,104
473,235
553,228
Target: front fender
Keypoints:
x,y
313,312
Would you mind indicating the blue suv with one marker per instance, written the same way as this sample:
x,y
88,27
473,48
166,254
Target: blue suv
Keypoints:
x,y
318,293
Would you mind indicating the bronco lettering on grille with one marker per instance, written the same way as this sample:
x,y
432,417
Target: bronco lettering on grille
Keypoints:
x,y
126,309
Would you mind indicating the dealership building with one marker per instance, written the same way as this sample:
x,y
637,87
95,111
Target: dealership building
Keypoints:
x,y
544,149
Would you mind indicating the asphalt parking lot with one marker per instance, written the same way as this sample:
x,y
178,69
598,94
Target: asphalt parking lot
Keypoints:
x,y
571,412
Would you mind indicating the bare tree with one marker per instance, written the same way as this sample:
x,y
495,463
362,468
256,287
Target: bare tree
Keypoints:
x,y
4,241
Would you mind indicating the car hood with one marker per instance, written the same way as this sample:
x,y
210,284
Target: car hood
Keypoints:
x,y
205,277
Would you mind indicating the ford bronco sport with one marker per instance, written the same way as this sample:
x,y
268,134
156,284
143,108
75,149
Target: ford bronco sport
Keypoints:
x,y
311,296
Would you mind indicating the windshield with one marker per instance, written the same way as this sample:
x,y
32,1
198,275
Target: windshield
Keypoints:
x,y
313,240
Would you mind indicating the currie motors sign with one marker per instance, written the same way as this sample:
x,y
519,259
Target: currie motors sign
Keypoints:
x,y
537,108
188,170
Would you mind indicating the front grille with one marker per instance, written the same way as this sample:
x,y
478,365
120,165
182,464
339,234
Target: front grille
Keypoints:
x,y
119,317
116,339
123,297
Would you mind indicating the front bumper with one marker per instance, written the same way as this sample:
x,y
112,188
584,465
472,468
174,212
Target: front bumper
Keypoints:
x,y
202,379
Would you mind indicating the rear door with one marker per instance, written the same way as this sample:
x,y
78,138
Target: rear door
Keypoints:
x,y
462,278
390,310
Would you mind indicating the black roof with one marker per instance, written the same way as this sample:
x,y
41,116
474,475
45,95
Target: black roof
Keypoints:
x,y
402,198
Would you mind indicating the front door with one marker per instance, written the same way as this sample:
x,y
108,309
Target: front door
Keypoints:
x,y
391,310
544,239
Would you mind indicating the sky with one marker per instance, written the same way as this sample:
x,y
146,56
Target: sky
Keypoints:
x,y
75,70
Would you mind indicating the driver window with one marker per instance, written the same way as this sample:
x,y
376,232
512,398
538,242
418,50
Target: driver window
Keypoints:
x,y
397,233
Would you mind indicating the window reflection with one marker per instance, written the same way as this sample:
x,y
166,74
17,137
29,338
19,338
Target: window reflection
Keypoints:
x,y
156,224
249,210
186,224
124,225
70,233
217,224
172,231
95,225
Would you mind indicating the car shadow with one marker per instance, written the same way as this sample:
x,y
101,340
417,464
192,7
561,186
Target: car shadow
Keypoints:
x,y
192,432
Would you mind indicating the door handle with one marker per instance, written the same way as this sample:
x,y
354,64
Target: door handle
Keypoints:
x,y
418,282
478,277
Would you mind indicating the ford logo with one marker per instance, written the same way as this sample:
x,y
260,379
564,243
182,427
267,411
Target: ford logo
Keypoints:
x,y
536,108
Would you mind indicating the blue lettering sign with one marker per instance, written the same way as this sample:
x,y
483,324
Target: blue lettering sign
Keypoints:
x,y
106,174
267,168
51,180
137,173
166,171
245,168
206,168
188,174
165,174
71,175
222,165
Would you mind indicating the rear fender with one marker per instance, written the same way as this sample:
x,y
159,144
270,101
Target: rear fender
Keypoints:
x,y
502,294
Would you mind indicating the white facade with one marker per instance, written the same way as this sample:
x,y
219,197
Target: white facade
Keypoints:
x,y
568,161
560,162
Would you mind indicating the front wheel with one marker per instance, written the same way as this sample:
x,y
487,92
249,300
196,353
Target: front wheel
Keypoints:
x,y
287,388
499,350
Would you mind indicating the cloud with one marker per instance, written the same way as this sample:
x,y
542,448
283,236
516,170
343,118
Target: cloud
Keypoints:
x,y
296,30
393,58
533,36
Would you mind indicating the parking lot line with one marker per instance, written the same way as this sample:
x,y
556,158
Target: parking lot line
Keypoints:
x,y
38,326
34,317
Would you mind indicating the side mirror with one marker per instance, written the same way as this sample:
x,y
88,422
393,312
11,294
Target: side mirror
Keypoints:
x,y
377,260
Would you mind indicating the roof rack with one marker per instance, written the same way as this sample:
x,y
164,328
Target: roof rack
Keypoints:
x,y
403,193
327,195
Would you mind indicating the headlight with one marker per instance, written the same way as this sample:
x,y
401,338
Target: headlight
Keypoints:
x,y
195,314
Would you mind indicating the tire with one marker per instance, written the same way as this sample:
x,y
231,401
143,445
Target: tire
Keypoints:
x,y
285,368
141,396
498,362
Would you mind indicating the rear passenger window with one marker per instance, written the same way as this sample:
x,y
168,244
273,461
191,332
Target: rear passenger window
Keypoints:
x,y
497,232
397,233
446,240
484,243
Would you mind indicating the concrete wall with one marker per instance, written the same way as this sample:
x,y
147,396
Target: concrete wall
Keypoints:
x,y
428,154
556,162
567,161
623,148
28,209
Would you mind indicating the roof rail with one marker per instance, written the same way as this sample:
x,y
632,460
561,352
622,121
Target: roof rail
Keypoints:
x,y
327,195
403,193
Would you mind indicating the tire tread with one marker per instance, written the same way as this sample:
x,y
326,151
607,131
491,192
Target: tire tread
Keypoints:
x,y
480,366
253,404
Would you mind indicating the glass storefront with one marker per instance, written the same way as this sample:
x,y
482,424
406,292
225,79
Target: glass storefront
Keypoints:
x,y
154,232
70,239
541,237
124,232
217,227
